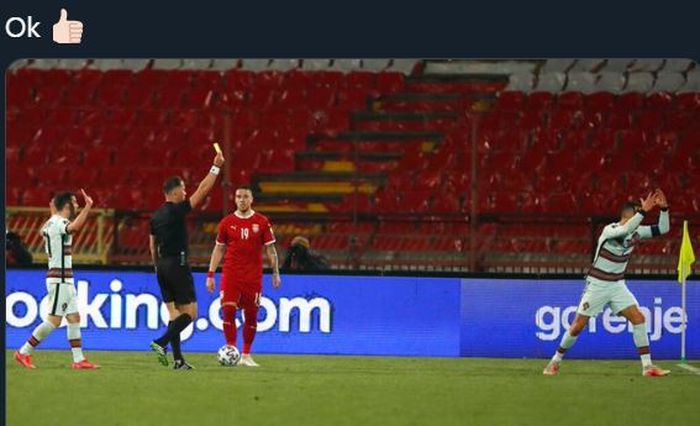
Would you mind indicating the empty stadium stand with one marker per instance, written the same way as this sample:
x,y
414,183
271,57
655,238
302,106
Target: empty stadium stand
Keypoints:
x,y
376,160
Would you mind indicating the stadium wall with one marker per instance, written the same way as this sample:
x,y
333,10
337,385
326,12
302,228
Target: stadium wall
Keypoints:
x,y
365,315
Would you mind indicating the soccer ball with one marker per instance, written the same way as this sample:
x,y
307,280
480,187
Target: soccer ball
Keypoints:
x,y
228,356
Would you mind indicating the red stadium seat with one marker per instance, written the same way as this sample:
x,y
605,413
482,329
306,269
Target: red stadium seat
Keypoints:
x,y
390,82
539,100
538,154
688,101
37,196
511,100
600,102
659,100
650,120
562,203
630,101
570,100
619,120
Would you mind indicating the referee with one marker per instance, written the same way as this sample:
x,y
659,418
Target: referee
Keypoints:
x,y
168,244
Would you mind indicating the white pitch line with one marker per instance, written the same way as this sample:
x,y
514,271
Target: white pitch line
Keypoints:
x,y
690,368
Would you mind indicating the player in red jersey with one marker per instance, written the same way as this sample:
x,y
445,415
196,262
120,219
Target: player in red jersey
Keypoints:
x,y
240,240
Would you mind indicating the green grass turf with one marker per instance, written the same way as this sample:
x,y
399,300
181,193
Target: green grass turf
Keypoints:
x,y
133,389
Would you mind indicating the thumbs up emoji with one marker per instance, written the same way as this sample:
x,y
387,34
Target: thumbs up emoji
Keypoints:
x,y
67,32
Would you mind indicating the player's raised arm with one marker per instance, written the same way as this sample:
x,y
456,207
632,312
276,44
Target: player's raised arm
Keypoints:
x,y
80,220
207,183
647,204
274,261
663,225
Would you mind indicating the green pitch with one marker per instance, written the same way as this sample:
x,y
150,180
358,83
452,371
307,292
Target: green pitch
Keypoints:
x,y
133,389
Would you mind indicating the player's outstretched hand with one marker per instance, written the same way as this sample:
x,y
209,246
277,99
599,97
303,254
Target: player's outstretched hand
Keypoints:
x,y
219,159
276,281
649,202
660,199
88,199
211,284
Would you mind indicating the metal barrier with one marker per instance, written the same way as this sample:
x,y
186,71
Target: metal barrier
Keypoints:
x,y
120,237
91,245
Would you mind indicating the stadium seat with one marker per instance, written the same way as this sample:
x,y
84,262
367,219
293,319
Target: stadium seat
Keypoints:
x,y
677,65
520,82
315,64
559,65
659,100
612,82
640,82
646,65
255,64
220,64
617,65
375,65
551,82
167,64
284,64
539,100
511,100
692,83
346,65
581,81
587,65
405,66
630,101
545,152
668,82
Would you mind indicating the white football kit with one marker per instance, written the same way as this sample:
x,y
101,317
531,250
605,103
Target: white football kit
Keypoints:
x,y
59,278
605,281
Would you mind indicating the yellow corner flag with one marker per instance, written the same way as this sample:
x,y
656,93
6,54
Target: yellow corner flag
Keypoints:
x,y
687,256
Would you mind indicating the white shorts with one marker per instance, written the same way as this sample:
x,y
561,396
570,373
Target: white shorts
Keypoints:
x,y
598,294
63,298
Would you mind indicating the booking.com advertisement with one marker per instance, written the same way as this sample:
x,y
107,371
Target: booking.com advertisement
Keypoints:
x,y
307,315
366,316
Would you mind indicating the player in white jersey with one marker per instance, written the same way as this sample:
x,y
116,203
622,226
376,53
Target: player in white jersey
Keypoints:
x,y
58,238
605,282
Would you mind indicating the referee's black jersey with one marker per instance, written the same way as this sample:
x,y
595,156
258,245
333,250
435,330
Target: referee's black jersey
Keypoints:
x,y
169,228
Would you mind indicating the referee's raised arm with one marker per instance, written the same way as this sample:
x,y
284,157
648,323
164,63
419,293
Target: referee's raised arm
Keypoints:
x,y
207,183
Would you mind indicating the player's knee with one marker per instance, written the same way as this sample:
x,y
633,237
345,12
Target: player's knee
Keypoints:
x,y
73,318
578,326
637,318
191,310
54,320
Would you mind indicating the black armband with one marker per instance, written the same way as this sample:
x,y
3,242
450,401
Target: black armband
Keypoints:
x,y
655,231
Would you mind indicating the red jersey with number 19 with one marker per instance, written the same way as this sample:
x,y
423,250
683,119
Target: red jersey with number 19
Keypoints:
x,y
244,238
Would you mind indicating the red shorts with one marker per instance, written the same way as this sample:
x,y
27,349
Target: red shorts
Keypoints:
x,y
243,298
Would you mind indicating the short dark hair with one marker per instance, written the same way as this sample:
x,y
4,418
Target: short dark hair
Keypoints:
x,y
62,198
244,187
631,205
172,183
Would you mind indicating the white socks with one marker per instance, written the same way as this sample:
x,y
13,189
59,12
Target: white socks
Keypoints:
x,y
40,333
641,341
567,341
73,333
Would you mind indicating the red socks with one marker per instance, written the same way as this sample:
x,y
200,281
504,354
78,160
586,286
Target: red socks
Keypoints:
x,y
249,328
229,312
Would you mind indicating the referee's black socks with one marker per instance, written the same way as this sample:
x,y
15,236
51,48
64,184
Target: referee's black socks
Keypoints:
x,y
174,329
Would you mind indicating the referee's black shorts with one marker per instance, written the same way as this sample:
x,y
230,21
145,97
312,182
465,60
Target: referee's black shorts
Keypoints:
x,y
175,281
